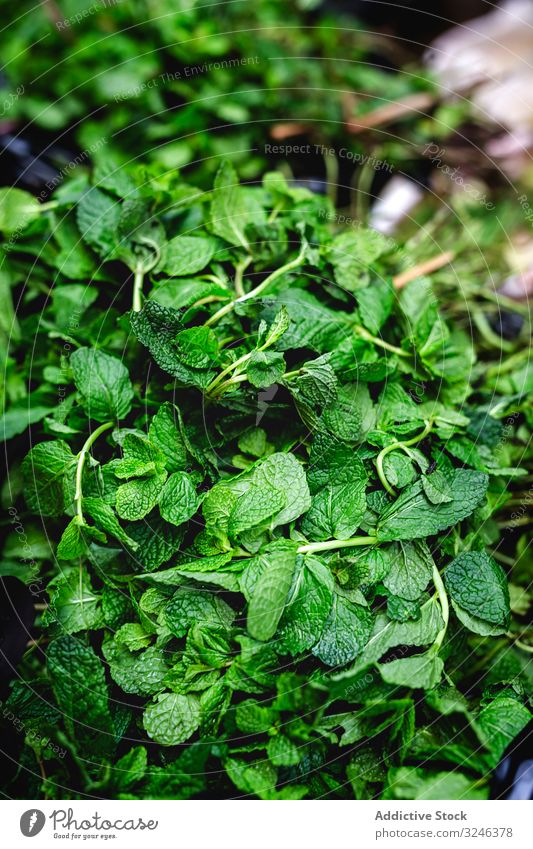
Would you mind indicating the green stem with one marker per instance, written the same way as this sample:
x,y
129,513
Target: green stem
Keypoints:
x,y
63,740
82,456
364,334
138,287
331,166
520,645
311,547
223,387
444,607
489,335
49,205
224,373
254,293
398,446
239,271
509,364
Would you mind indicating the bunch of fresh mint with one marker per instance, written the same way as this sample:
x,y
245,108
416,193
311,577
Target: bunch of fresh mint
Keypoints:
x,y
263,500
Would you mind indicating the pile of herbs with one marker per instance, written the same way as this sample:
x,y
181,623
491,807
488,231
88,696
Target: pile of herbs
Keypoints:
x,y
263,495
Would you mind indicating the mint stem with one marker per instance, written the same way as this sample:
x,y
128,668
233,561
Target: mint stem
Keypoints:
x,y
398,446
239,271
138,287
311,547
82,456
254,293
364,334
444,606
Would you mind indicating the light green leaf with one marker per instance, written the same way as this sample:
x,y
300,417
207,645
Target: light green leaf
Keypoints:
x,y
104,384
172,719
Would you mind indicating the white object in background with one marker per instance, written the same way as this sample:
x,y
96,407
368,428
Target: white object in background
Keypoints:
x,y
397,199
486,48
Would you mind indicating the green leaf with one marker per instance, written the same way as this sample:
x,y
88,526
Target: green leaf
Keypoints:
x,y
178,500
417,783
78,681
165,434
410,571
133,636
74,604
282,752
136,498
157,327
17,210
286,474
197,347
45,469
352,252
130,768
437,488
375,304
172,719
265,368
308,607
413,516
477,584
271,590
190,607
255,508
279,326
139,673
233,207
73,542
388,634
98,216
185,255
103,383
345,634
15,421
499,722
156,541
105,519
420,670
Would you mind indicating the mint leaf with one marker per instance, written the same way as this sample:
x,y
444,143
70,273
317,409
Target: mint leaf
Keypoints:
x,y
45,469
271,590
178,500
172,719
264,368
421,670
78,680
233,207
413,516
185,255
17,209
477,585
103,383
345,633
